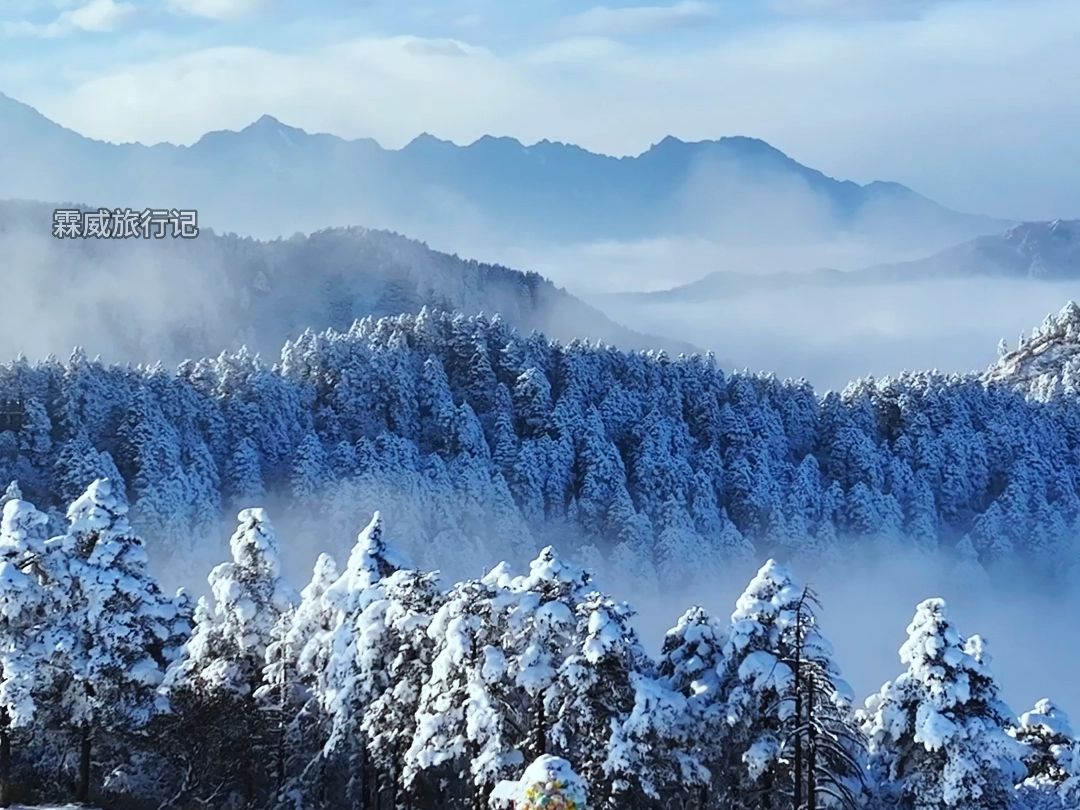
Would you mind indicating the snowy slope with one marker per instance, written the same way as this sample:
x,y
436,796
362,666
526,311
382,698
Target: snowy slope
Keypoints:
x,y
1045,363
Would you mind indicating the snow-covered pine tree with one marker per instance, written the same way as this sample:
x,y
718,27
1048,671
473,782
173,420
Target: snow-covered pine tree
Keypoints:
x,y
355,655
1048,743
228,649
469,707
23,620
542,628
12,493
293,666
309,469
594,694
691,662
651,754
829,756
212,686
789,738
389,723
110,638
938,732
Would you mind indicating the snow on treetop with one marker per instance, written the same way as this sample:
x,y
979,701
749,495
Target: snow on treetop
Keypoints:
x,y
1047,716
692,649
1047,362
372,559
933,640
694,625
604,630
21,523
765,599
99,508
254,543
549,567
324,572
500,576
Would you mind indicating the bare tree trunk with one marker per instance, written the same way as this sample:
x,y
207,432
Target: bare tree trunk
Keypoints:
x,y
540,730
798,711
82,793
812,732
5,762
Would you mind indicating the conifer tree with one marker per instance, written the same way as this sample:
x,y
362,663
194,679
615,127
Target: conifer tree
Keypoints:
x,y
212,687
24,609
110,640
937,733
1048,743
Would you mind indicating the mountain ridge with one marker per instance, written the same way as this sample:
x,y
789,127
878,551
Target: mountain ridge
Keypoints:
x,y
436,189
190,297
1029,250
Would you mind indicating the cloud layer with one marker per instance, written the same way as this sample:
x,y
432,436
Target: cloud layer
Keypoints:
x,y
634,20
894,89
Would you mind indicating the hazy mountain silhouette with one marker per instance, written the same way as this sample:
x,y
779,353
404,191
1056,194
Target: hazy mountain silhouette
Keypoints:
x,y
271,179
147,300
1047,251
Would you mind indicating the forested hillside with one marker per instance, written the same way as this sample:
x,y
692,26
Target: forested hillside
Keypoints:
x,y
148,300
380,687
473,436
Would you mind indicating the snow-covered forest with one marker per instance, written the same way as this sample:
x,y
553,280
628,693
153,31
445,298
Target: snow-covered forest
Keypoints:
x,y
379,685
494,444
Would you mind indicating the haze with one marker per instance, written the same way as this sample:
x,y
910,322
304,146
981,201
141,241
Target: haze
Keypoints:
x,y
931,73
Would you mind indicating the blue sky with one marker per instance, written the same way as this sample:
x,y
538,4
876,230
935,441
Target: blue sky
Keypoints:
x,y
974,102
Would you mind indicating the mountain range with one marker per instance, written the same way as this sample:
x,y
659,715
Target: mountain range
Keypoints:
x,y
271,179
1047,251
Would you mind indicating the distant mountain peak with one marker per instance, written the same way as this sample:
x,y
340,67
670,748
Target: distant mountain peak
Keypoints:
x,y
669,142
545,191
425,140
265,122
269,125
266,130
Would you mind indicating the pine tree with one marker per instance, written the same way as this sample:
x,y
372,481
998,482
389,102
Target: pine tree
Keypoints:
x,y
390,722
542,628
789,741
353,648
464,724
937,733
593,695
212,687
295,661
691,662
1048,743
309,469
24,602
111,637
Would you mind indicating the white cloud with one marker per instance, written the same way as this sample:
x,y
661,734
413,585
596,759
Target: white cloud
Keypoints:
x,y
99,15
218,9
95,15
396,88
633,20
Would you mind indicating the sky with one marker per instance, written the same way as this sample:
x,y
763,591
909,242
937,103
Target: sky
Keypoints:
x,y
975,103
